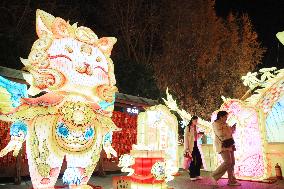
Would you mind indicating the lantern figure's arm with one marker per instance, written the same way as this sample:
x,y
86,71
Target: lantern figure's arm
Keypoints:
x,y
26,112
107,145
11,94
18,132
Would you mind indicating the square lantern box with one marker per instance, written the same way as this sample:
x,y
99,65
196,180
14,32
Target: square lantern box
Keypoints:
x,y
142,177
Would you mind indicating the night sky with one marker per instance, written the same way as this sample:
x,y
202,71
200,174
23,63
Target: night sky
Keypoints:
x,y
267,17
17,34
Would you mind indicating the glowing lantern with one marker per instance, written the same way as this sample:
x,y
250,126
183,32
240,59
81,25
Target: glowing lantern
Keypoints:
x,y
158,130
251,162
280,36
73,119
154,160
10,94
258,121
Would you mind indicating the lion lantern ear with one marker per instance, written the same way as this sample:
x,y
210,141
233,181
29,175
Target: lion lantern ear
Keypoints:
x,y
105,44
44,22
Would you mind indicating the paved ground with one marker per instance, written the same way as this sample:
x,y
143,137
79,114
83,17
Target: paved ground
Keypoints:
x,y
180,182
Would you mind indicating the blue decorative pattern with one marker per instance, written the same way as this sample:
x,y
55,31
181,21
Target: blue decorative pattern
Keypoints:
x,y
89,133
108,137
18,127
72,176
62,130
275,122
104,105
16,90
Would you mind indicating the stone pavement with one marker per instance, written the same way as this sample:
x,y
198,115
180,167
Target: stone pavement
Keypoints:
x,y
180,182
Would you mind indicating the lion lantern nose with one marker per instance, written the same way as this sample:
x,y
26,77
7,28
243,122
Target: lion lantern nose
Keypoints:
x,y
86,68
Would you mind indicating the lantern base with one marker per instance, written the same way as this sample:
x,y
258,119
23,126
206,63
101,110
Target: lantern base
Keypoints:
x,y
142,177
77,187
125,182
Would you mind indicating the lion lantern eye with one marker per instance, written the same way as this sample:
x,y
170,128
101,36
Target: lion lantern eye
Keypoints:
x,y
68,49
98,59
86,49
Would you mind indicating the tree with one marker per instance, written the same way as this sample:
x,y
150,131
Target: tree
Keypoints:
x,y
136,24
204,56
179,44
17,25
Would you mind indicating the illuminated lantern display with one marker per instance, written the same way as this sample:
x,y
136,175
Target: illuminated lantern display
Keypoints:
x,y
203,125
251,161
259,121
11,94
72,119
154,159
160,124
280,36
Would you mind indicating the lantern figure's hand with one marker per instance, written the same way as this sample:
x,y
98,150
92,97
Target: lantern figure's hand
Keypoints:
x,y
109,150
14,145
107,145
18,132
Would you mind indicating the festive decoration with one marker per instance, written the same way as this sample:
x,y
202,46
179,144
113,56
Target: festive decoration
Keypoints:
x,y
259,120
149,169
158,130
274,122
10,94
203,125
251,162
122,141
125,161
158,170
269,99
154,159
280,36
73,119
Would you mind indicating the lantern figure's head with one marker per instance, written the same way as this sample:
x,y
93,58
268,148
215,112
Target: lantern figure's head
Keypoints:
x,y
69,58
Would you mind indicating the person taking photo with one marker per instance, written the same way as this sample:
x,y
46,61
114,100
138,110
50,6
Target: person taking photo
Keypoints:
x,y
224,144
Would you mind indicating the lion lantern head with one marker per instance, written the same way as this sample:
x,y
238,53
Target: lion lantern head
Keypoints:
x,y
72,59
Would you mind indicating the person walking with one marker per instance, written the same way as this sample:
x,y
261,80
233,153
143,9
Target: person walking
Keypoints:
x,y
191,149
224,144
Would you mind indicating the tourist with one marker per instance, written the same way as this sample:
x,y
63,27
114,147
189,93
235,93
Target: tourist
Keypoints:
x,y
224,144
190,148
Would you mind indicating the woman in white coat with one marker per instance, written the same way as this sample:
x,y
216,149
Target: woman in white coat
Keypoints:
x,y
190,147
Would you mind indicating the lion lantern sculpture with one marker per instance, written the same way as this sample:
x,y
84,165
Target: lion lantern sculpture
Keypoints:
x,y
72,66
